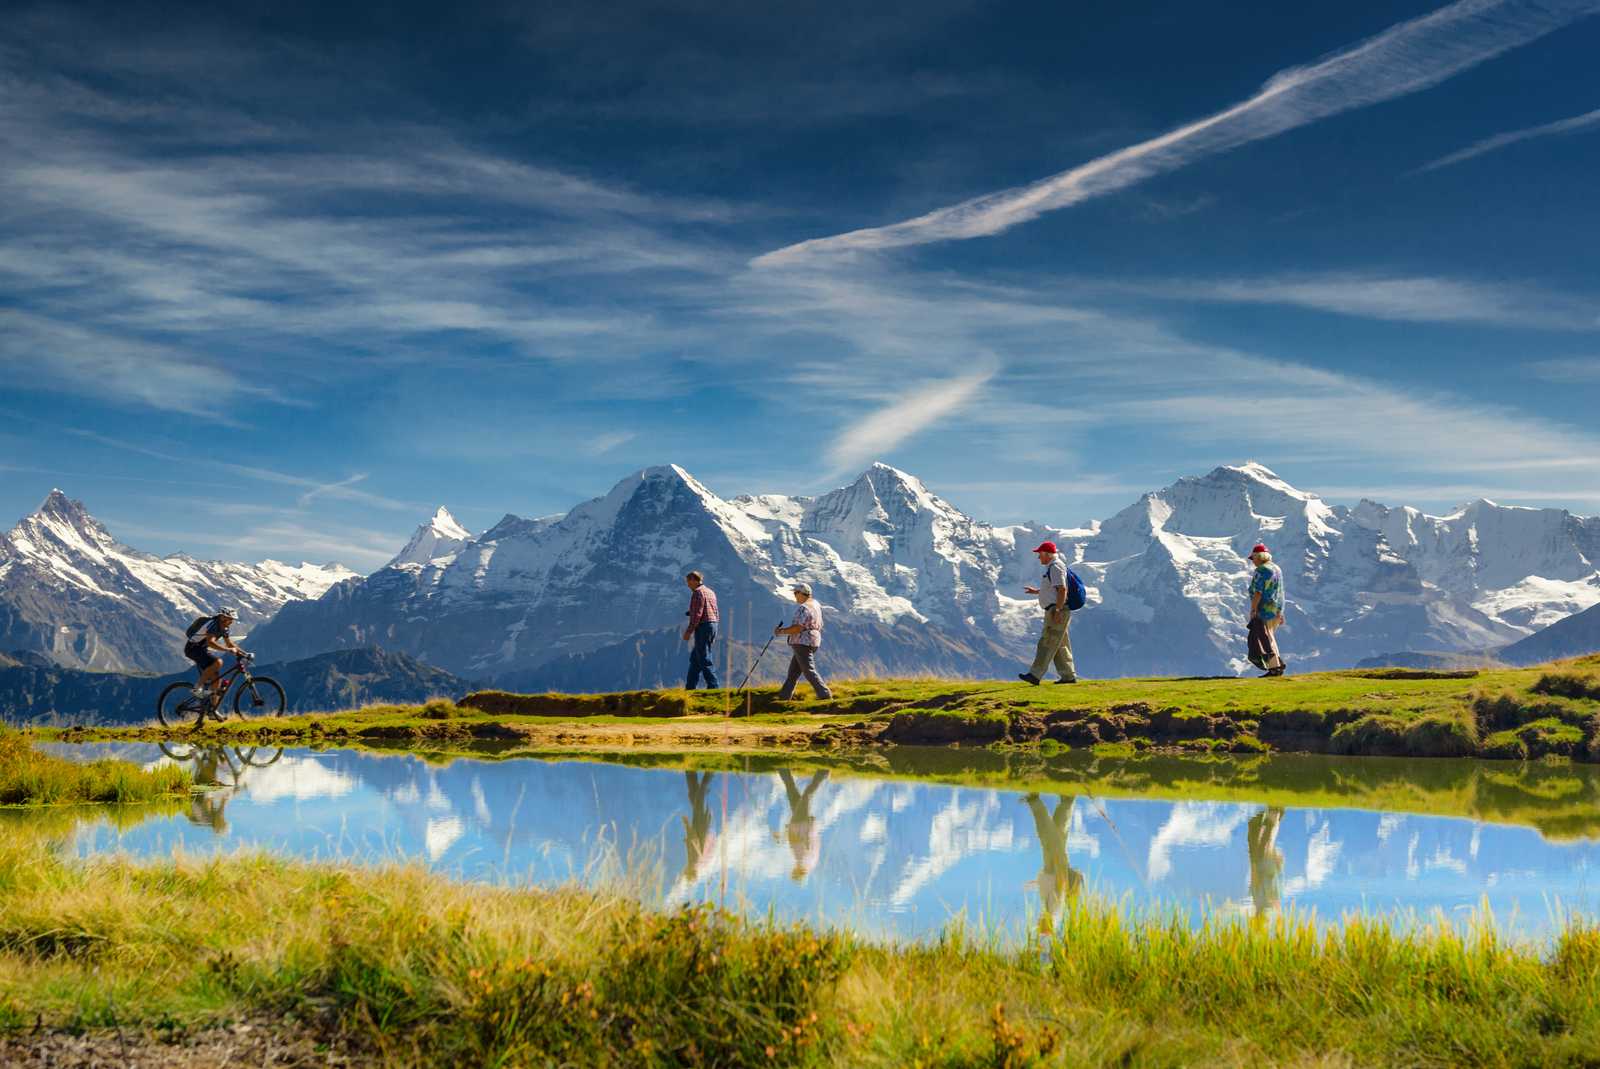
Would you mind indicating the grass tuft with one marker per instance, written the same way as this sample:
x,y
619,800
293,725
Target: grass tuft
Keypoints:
x,y
441,972
28,777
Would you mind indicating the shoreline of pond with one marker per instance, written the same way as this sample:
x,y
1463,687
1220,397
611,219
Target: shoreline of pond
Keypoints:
x,y
392,957
1548,712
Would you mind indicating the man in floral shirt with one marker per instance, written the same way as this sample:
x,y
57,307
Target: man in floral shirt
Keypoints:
x,y
1266,604
702,628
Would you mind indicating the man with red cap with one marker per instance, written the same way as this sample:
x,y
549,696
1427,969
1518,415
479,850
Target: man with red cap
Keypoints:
x,y
1054,645
1266,606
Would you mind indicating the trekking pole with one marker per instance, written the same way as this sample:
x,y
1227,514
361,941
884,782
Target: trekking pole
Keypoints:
x,y
760,655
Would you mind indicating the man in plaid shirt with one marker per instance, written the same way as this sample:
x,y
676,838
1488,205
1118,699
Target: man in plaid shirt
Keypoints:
x,y
702,628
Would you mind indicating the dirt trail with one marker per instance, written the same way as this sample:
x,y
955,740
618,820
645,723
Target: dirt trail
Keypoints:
x,y
259,1042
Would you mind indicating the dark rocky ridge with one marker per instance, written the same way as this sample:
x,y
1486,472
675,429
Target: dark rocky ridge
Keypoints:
x,y
850,650
32,695
1576,636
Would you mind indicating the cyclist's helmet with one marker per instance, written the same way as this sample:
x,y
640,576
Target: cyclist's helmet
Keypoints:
x,y
230,613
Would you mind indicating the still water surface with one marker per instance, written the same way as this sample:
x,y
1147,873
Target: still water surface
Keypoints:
x,y
997,837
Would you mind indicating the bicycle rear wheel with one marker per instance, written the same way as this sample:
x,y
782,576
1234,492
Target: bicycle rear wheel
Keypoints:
x,y
259,697
177,705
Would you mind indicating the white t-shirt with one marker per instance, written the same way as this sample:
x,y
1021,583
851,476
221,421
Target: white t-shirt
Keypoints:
x,y
1055,575
210,629
808,614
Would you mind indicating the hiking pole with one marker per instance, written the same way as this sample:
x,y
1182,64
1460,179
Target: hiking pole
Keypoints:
x,y
760,655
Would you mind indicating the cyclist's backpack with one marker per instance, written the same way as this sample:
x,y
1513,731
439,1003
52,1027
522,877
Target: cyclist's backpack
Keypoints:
x,y
201,621
1076,597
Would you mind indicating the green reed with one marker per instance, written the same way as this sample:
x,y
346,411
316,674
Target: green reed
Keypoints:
x,y
29,778
439,971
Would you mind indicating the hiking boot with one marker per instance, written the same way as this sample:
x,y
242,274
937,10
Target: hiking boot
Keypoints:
x,y
1061,681
1029,677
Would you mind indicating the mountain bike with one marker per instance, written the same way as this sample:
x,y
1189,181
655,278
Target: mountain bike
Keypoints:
x,y
214,766
252,696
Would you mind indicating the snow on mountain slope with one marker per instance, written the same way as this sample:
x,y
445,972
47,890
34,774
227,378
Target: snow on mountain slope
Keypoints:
x,y
528,591
1360,581
441,536
884,548
71,590
1167,576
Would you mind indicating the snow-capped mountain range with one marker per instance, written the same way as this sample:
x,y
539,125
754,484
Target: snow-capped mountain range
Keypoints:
x,y
1166,576
71,591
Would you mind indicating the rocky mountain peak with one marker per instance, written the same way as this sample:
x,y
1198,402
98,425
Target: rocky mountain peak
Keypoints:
x,y
440,536
57,504
69,589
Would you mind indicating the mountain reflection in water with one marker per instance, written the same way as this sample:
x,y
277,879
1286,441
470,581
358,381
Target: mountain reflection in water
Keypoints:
x,y
1009,836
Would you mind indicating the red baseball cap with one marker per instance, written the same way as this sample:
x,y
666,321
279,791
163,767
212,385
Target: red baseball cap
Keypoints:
x,y
1043,546
1259,549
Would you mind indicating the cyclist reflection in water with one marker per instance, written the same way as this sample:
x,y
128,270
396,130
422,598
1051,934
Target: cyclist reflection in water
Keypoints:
x,y
1058,880
212,768
697,837
804,838
1266,862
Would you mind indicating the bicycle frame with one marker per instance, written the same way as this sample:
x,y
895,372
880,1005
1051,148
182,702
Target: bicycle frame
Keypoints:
x,y
224,685
225,679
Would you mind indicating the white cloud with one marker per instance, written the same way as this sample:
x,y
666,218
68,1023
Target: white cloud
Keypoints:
x,y
1576,370
1290,409
886,428
1415,300
39,351
1489,144
1404,59
1129,379
604,443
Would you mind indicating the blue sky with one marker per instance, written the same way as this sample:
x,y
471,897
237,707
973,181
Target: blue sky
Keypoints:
x,y
279,280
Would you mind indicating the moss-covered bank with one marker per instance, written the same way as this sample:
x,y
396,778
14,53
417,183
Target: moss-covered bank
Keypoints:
x,y
1524,714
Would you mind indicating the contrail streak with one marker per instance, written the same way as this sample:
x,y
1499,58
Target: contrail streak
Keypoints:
x,y
1405,58
1489,144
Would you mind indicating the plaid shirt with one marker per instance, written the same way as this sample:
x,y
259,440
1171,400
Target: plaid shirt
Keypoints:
x,y
702,606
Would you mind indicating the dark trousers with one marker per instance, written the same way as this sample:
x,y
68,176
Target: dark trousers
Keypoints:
x,y
803,659
705,633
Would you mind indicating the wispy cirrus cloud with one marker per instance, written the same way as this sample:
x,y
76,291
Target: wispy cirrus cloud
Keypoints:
x,y
1399,299
313,488
877,434
1406,58
39,350
1093,376
1576,370
1489,144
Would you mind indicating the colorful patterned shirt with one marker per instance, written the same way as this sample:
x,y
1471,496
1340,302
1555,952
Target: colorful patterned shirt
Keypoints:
x,y
702,606
808,614
1268,582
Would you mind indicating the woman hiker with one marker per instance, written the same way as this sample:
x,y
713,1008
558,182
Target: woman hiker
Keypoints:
x,y
805,635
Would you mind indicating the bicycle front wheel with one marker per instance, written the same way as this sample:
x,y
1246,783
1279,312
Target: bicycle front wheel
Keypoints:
x,y
259,697
177,705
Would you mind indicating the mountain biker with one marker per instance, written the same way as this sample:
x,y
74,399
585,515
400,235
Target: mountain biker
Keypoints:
x,y
211,635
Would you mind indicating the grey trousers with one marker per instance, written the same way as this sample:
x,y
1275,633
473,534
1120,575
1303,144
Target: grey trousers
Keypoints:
x,y
1054,645
803,659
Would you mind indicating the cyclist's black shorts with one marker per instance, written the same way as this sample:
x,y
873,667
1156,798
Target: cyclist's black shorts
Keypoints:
x,y
201,655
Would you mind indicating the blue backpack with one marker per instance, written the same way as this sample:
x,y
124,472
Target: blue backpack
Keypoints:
x,y
1076,597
